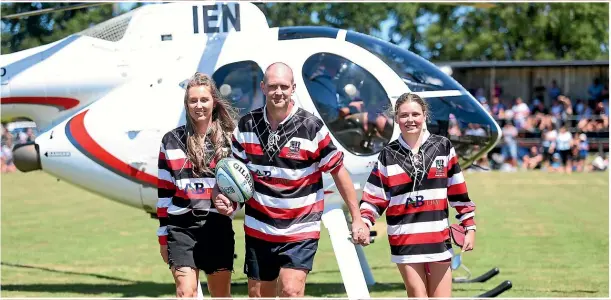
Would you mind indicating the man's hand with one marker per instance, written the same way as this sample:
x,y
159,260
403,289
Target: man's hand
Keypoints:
x,y
469,241
163,250
223,205
360,232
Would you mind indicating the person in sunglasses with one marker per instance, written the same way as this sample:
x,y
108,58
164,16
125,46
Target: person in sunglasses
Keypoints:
x,y
415,178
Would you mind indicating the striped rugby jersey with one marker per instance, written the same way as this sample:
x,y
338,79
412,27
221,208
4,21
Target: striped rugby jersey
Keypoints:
x,y
179,191
287,168
415,201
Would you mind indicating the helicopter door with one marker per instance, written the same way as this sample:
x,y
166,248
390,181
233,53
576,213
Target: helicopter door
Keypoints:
x,y
353,92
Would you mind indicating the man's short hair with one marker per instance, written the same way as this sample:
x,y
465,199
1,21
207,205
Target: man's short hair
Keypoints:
x,y
278,63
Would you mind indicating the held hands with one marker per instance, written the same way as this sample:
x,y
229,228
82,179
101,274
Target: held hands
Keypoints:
x,y
469,241
360,232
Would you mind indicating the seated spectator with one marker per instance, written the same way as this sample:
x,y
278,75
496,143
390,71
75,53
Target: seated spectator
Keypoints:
x,y
530,125
507,166
475,130
497,108
562,145
554,90
556,109
30,136
547,138
605,99
520,112
583,147
454,130
595,91
6,157
509,150
533,159
567,107
547,122
479,95
556,164
539,93
580,108
497,90
599,163
598,120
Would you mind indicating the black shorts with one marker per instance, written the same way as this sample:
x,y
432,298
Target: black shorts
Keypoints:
x,y
546,155
566,156
264,259
204,243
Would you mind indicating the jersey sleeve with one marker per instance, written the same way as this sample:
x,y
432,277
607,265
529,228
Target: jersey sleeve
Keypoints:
x,y
458,197
166,188
375,198
238,141
328,157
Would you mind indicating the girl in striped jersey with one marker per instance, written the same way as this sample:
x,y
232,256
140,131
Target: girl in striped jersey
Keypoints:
x,y
192,235
415,178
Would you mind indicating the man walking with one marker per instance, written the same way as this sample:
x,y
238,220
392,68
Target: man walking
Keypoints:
x,y
286,149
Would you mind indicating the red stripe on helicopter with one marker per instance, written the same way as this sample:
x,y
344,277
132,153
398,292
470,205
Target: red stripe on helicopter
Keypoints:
x,y
65,103
80,138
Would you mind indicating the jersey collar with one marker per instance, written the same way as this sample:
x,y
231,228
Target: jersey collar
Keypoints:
x,y
293,111
425,135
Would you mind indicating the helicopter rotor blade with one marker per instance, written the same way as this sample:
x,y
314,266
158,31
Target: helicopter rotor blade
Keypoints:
x,y
50,10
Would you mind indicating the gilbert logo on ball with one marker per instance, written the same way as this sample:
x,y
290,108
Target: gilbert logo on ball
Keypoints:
x,y
234,180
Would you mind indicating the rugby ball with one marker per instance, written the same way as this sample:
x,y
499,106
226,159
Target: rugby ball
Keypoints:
x,y
234,180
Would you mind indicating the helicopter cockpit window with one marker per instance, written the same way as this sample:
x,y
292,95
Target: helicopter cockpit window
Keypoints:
x,y
417,73
239,83
457,115
351,102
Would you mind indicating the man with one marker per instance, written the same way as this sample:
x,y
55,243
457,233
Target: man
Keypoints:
x,y
286,149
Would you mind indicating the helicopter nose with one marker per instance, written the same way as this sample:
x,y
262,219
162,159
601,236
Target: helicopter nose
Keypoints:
x,y
26,157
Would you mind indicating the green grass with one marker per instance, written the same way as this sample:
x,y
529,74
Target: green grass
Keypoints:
x,y
548,234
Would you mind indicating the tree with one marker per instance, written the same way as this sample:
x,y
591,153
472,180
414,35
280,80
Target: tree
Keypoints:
x,y
439,32
32,31
523,31
361,17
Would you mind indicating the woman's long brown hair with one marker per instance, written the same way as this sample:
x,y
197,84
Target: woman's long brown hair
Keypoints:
x,y
223,123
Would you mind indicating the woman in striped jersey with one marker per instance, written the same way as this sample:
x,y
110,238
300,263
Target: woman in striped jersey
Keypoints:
x,y
192,235
415,178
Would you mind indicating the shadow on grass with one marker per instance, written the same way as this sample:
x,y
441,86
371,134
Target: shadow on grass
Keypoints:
x,y
66,272
131,288
154,289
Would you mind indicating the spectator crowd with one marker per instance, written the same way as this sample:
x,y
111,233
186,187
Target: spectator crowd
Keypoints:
x,y
561,131
9,140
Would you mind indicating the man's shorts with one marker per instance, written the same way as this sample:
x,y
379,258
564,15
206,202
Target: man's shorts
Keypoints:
x,y
204,243
264,259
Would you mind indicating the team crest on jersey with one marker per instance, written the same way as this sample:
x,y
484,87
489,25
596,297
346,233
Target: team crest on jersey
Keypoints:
x,y
440,165
295,146
294,150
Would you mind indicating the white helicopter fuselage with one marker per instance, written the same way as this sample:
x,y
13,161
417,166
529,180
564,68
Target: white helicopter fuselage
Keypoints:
x,y
129,94
104,98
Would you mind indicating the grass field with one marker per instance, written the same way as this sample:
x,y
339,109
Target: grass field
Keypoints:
x,y
548,234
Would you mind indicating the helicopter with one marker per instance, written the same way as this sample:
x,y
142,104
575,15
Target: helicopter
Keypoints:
x,y
104,97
